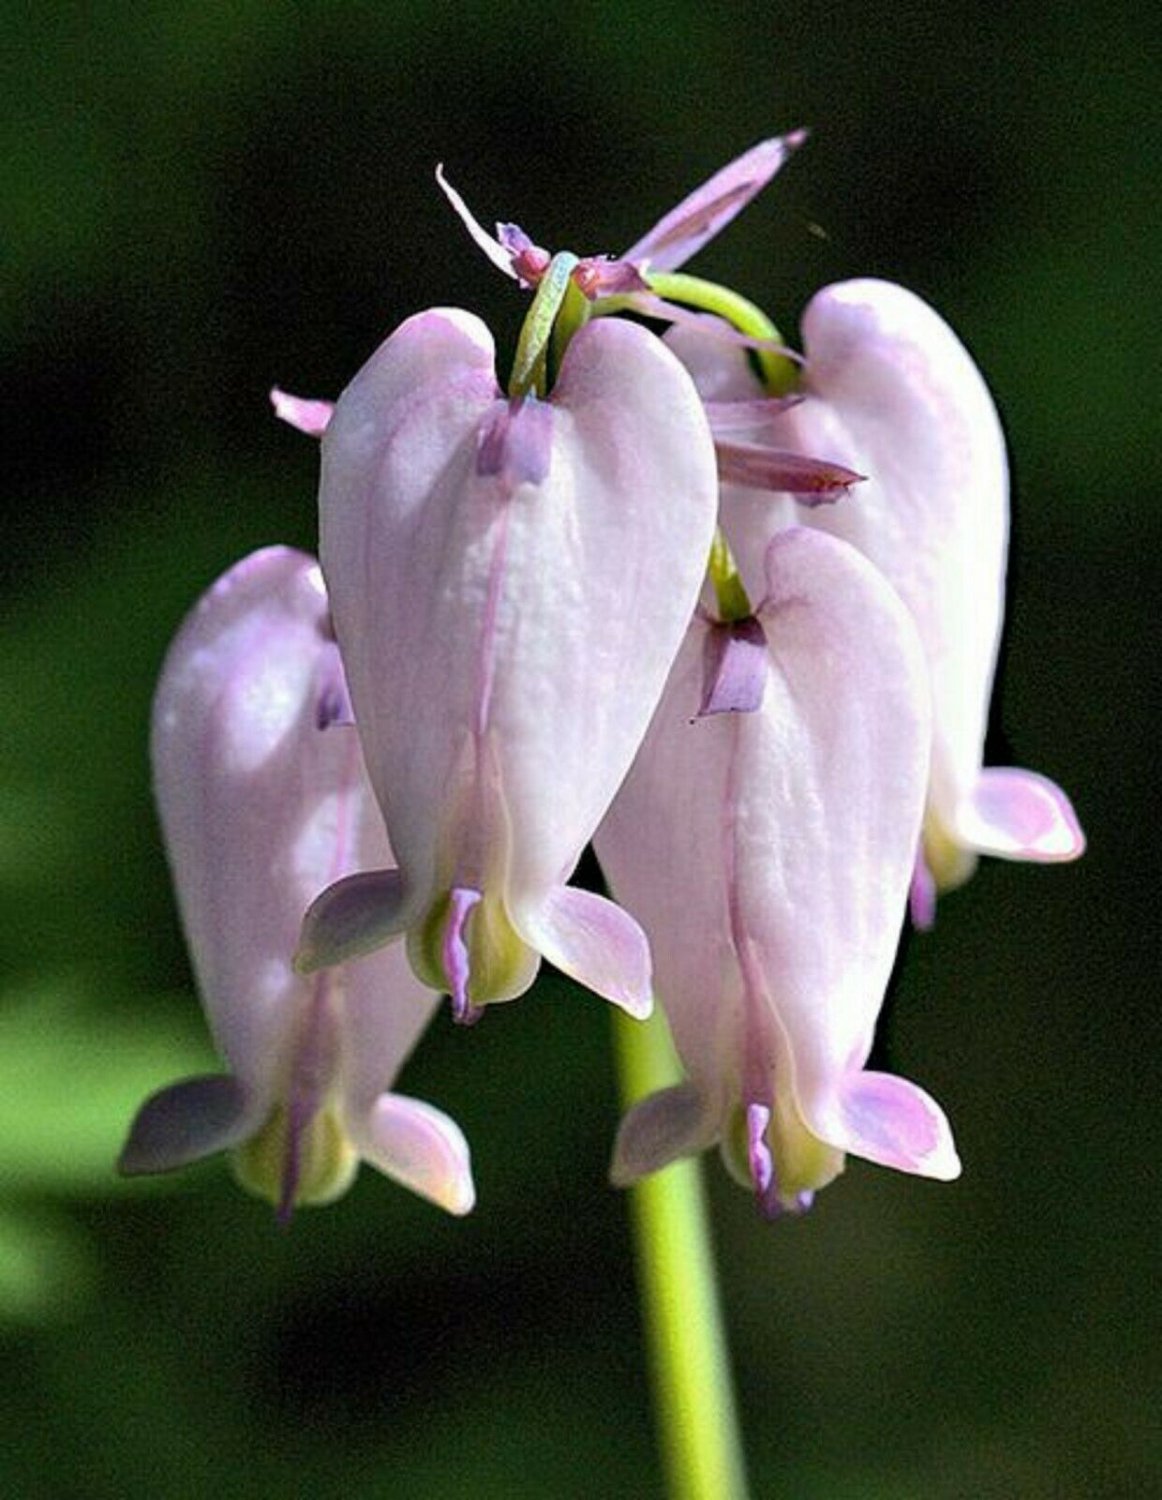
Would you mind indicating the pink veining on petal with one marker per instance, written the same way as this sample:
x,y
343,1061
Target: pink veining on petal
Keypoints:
x,y
754,420
302,412
461,900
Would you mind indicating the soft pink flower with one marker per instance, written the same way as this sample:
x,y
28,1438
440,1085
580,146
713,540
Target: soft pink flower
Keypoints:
x,y
767,854
264,799
510,581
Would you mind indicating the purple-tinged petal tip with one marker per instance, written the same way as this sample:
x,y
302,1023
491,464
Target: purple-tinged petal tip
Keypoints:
x,y
735,663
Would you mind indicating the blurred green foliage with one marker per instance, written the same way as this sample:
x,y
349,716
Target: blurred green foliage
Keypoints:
x,y
201,201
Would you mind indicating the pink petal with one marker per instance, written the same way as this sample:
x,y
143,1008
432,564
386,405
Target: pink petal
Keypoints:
x,y
596,943
499,254
662,1128
186,1121
682,232
1015,814
352,917
307,415
420,1148
890,1121
478,589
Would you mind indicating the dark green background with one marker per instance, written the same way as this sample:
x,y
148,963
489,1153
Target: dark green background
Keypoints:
x,y
203,199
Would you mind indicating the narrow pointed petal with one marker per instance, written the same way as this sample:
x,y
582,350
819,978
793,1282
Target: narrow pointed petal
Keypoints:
x,y
812,481
499,254
1015,814
682,232
307,415
420,1148
660,1129
352,917
596,943
186,1121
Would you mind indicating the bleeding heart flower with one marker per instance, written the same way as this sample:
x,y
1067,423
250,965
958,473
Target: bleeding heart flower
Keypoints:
x,y
767,853
889,392
510,582
264,799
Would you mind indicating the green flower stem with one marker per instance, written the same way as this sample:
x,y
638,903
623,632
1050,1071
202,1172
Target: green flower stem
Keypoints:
x,y
529,368
779,375
733,603
572,317
690,1368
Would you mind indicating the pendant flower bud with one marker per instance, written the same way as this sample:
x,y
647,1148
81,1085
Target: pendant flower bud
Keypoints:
x,y
767,854
510,582
263,799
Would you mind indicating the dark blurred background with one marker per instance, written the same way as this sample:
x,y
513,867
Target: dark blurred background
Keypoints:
x,y
203,199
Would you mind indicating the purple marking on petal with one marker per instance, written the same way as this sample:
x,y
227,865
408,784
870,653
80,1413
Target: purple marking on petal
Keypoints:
x,y
812,481
514,443
461,900
922,895
309,416
734,668
758,1153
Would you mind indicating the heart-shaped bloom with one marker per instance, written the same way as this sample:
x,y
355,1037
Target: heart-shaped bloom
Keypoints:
x,y
263,799
510,582
890,392
767,853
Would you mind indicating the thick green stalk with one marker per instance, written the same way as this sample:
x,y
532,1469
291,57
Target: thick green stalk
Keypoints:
x,y
694,1398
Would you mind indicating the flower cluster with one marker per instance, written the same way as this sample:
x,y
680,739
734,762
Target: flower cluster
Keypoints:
x,y
727,612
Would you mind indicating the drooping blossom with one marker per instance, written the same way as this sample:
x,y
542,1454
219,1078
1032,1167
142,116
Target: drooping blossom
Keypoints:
x,y
510,582
767,853
889,391
263,799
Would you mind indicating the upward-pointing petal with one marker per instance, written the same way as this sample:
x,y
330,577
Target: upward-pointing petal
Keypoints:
x,y
682,232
